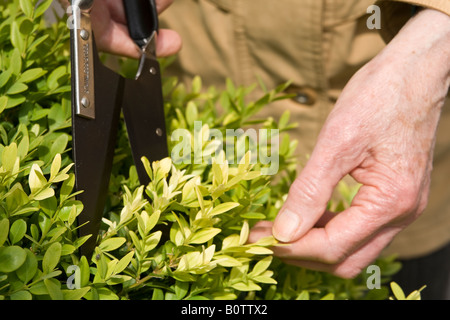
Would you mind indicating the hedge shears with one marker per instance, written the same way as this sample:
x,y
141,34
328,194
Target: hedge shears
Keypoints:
x,y
98,97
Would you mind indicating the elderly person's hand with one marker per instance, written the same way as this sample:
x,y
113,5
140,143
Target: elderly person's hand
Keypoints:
x,y
381,132
111,31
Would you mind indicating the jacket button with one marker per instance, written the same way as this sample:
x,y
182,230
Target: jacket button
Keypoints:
x,y
303,95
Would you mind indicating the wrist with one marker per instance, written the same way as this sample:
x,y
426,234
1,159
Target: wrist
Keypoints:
x,y
423,45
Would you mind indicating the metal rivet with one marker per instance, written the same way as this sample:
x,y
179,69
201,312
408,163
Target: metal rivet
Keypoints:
x,y
159,132
153,70
85,102
84,34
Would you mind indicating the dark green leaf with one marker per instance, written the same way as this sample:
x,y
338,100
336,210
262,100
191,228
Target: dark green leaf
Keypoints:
x,y
26,27
44,222
11,258
181,289
17,231
27,271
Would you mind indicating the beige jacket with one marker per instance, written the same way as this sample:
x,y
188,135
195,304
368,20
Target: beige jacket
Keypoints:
x,y
318,45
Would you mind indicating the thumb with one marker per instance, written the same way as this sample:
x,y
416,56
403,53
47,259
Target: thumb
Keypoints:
x,y
307,199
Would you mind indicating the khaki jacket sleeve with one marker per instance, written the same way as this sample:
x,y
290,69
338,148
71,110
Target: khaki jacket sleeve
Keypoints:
x,y
395,13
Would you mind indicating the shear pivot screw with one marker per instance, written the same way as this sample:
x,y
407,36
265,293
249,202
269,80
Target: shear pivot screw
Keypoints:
x,y
84,34
159,132
152,70
85,102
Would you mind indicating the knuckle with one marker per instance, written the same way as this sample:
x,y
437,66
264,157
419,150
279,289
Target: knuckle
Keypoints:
x,y
305,189
347,272
407,199
334,257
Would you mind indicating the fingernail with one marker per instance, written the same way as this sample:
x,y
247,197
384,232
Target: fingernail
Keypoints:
x,y
286,225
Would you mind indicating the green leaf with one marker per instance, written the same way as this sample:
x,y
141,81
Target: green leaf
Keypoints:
x,y
11,258
31,74
9,157
265,278
45,194
67,248
59,145
51,258
72,215
246,286
152,241
158,294
36,179
75,294
3,103
181,289
17,39
55,76
284,120
230,241
56,166
4,230
259,250
27,7
39,289
26,27
54,289
253,215
67,187
329,296
5,76
111,244
243,237
196,85
223,207
27,271
21,295
44,222
203,235
84,271
15,100
124,262
397,291
191,113
153,220
227,261
41,8
17,231
261,266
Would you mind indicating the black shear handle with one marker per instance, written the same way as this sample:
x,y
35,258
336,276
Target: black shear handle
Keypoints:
x,y
142,19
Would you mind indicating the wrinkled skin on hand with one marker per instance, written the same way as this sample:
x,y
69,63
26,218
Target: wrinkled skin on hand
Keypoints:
x,y
111,31
381,132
